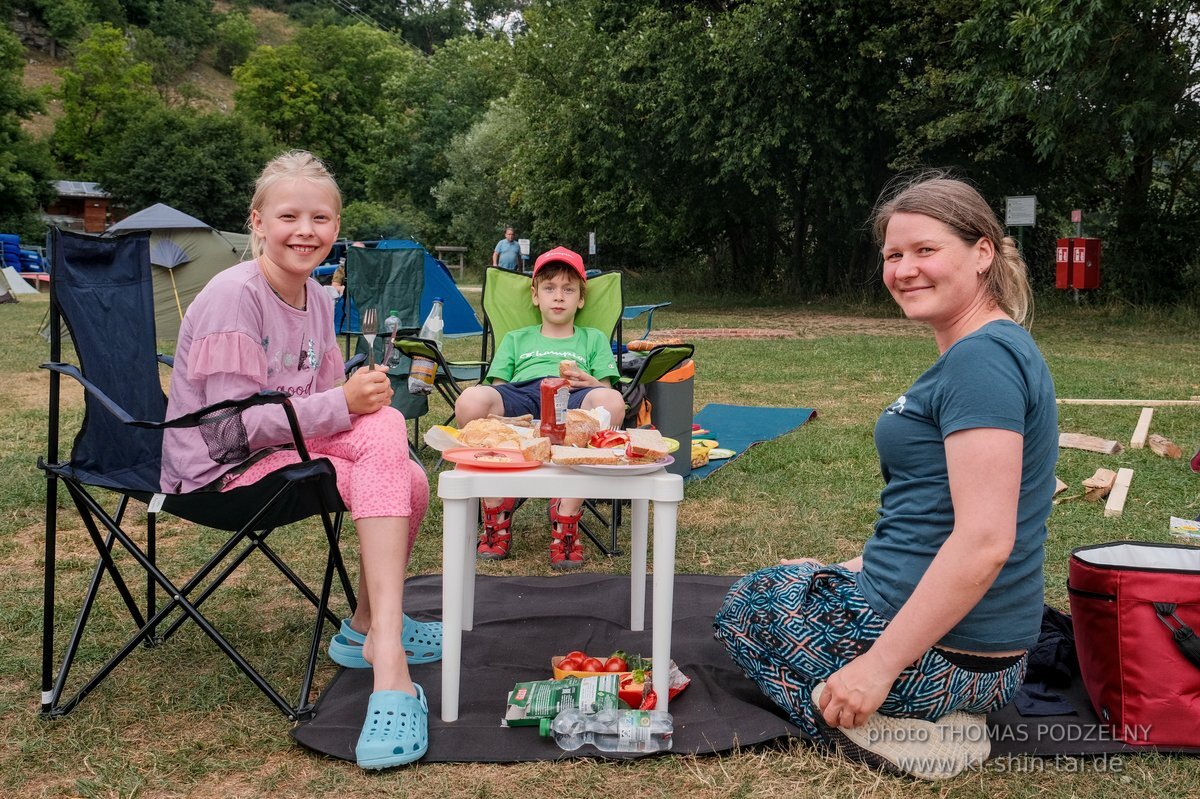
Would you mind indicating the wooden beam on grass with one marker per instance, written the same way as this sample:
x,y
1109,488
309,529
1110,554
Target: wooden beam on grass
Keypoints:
x,y
1116,498
1099,484
1089,443
1161,445
1143,403
1142,430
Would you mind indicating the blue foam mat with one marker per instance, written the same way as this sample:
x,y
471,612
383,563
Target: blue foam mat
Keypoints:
x,y
739,427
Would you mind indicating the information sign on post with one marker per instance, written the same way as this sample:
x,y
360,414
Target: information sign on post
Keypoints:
x,y
592,243
1020,211
524,245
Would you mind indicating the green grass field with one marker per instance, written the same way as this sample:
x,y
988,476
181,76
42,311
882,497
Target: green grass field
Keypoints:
x,y
180,721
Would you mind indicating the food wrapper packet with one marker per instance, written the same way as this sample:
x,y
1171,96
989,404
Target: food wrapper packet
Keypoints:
x,y
443,437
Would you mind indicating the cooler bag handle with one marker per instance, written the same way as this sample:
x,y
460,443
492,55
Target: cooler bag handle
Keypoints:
x,y
1184,637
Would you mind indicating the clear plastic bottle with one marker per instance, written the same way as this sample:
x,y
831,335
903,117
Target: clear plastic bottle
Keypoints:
x,y
392,323
424,370
611,730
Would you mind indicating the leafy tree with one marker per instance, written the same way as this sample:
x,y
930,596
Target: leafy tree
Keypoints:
x,y
476,196
439,98
25,165
366,221
1106,94
321,92
64,19
203,164
427,24
744,137
105,89
236,38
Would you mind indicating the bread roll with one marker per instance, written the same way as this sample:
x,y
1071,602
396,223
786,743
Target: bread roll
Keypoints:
x,y
581,426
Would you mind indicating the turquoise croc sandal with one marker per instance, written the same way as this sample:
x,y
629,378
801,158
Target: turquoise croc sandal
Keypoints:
x,y
396,730
422,642
346,654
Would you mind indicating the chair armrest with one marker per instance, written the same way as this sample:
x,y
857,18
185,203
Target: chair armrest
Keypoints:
x,y
659,361
194,419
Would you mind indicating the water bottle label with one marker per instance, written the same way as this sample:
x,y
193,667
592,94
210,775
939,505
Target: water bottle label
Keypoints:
x,y
633,729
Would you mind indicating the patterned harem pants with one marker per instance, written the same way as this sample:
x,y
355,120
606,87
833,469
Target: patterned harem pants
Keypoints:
x,y
791,627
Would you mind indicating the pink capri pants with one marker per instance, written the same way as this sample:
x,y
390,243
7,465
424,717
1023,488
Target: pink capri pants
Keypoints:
x,y
375,476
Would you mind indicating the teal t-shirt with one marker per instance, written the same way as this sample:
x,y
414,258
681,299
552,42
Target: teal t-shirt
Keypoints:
x,y
997,378
525,354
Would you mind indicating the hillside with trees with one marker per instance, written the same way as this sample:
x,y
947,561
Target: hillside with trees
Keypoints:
x,y
736,145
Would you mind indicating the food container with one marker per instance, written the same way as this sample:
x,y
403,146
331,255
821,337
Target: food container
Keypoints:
x,y
630,692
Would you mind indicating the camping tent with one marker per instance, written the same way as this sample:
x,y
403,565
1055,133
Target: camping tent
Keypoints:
x,y
186,253
459,316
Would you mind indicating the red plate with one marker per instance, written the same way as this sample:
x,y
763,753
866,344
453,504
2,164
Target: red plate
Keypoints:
x,y
489,458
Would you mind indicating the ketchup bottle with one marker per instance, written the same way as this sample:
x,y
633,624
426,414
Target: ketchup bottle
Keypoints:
x,y
555,392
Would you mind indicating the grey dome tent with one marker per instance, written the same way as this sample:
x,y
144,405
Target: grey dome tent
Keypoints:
x,y
185,254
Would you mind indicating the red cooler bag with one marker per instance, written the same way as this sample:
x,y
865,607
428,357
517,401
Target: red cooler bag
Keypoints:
x,y
1135,607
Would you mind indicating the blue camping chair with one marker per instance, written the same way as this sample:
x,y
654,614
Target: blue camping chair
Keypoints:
x,y
102,291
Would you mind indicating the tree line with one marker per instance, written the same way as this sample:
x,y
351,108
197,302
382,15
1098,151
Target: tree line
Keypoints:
x,y
734,145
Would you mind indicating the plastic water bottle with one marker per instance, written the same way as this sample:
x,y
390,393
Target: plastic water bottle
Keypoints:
x,y
392,323
424,370
611,730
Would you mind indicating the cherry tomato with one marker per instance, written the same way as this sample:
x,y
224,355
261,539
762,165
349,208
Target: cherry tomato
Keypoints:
x,y
591,664
575,653
616,664
570,663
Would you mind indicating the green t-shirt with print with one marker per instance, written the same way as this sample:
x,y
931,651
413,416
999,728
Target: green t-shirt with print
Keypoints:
x,y
525,354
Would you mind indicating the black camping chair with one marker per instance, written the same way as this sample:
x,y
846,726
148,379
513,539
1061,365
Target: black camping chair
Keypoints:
x,y
101,289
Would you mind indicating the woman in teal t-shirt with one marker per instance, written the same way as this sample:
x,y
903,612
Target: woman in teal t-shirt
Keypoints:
x,y
895,656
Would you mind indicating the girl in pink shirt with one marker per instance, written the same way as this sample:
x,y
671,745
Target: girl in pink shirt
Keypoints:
x,y
266,324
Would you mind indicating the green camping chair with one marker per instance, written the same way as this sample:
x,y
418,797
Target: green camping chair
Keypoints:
x,y
390,280
507,307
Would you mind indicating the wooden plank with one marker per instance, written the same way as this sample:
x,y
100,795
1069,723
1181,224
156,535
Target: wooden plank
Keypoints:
x,y
1142,430
1099,484
1143,403
1116,499
1089,443
1161,445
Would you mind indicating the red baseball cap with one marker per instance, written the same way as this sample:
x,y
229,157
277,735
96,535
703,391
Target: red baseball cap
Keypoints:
x,y
561,255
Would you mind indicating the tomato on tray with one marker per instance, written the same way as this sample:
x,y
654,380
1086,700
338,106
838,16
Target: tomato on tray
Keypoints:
x,y
617,664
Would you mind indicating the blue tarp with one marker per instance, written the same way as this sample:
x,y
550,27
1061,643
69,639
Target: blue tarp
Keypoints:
x,y
459,316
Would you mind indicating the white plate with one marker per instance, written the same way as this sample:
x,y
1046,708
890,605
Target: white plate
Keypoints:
x,y
623,468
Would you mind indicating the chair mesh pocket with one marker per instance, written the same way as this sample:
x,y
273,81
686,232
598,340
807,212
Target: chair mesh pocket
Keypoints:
x,y
225,435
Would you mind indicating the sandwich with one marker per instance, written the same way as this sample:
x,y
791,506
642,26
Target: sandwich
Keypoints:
x,y
581,426
645,445
583,456
536,449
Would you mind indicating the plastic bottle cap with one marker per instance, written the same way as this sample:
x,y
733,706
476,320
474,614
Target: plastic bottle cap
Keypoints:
x,y
437,299
544,727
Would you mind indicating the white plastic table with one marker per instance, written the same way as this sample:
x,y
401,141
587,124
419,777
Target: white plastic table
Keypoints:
x,y
460,490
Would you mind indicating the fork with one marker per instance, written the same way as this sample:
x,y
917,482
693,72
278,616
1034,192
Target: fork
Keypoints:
x,y
369,324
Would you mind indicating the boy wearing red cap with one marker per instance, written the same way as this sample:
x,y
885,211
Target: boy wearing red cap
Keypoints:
x,y
513,387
